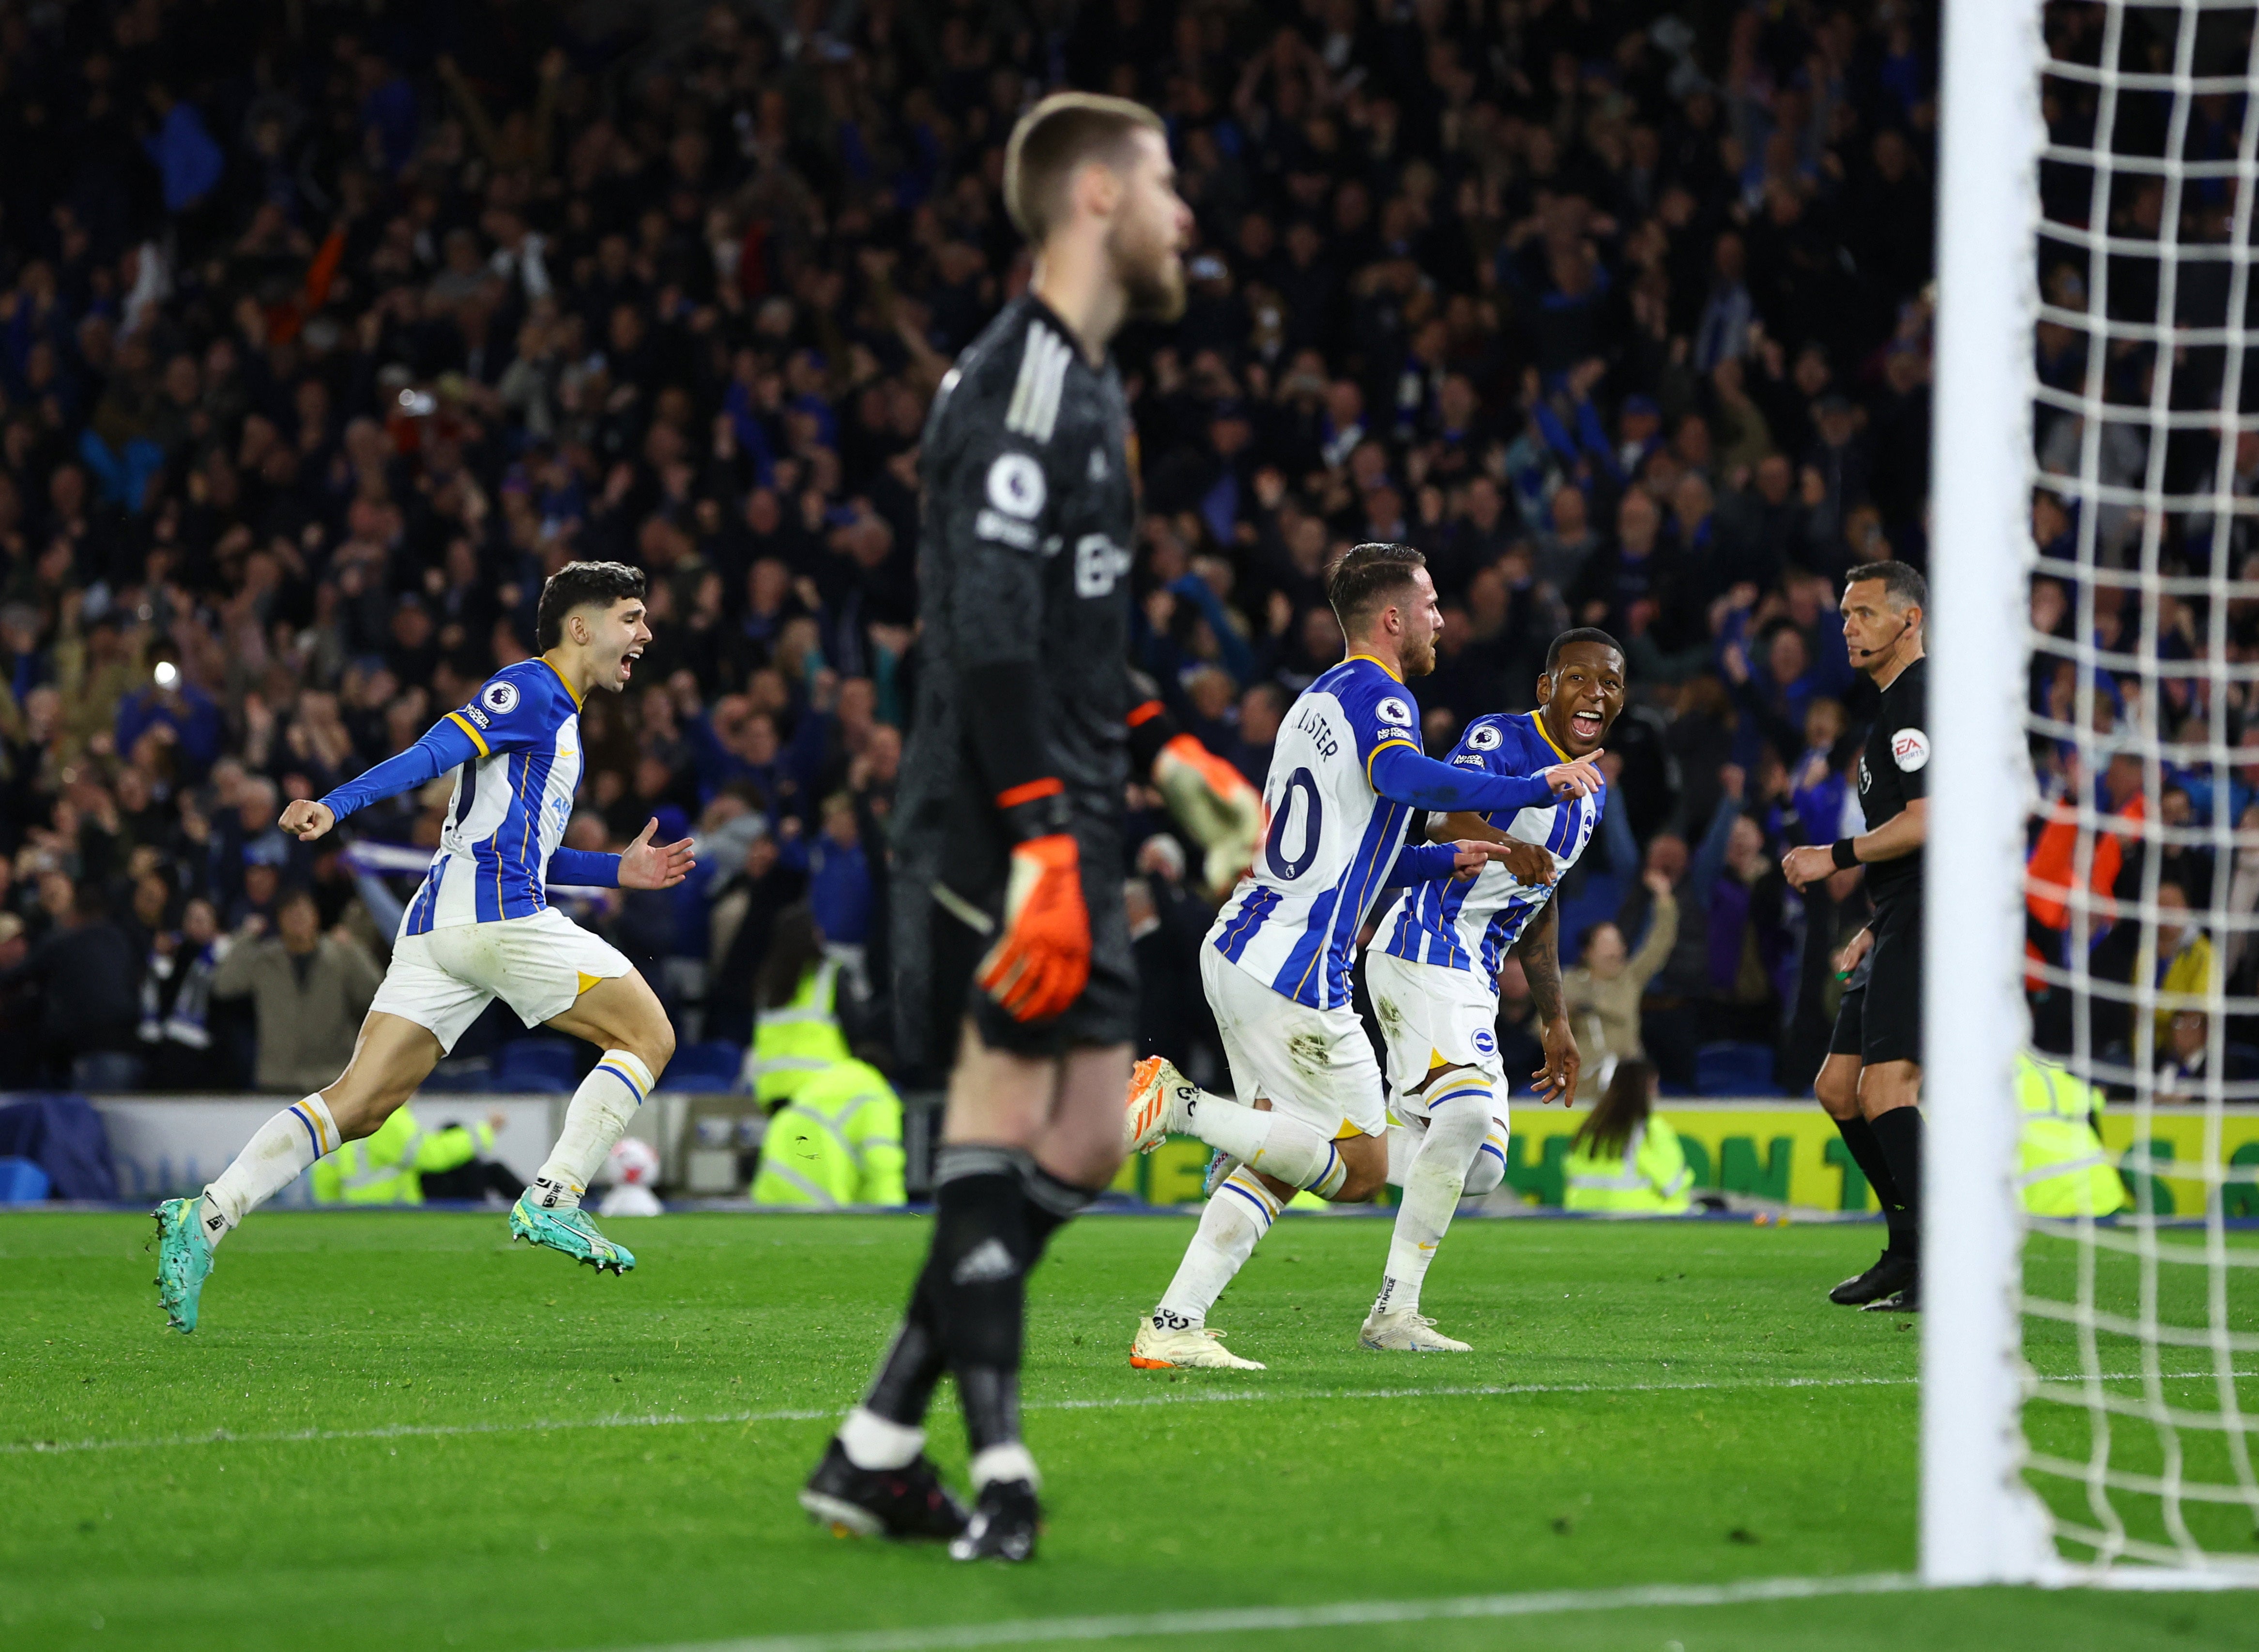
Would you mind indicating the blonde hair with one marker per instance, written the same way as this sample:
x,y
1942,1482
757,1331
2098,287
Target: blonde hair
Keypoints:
x,y
1055,137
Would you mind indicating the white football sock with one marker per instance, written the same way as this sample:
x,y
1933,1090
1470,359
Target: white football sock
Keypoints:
x,y
1269,1142
1007,1462
873,1442
1490,1163
1458,1120
1236,1220
599,1114
270,1161
1403,1147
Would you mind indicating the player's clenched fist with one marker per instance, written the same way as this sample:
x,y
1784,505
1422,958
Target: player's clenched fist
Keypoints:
x,y
306,820
1042,961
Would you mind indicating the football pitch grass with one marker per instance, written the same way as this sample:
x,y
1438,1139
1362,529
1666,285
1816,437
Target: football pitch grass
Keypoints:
x,y
394,1431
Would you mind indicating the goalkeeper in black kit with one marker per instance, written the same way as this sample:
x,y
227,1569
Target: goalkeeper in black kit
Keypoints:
x,y
1870,1083
1014,971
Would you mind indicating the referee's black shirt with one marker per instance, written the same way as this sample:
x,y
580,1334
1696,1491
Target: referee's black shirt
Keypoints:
x,y
1893,772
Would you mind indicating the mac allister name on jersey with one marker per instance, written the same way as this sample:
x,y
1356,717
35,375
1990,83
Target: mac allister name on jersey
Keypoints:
x,y
1468,924
1294,920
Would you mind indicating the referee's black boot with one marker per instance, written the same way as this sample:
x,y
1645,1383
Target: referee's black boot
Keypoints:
x,y
1004,1523
1891,1274
907,1502
1906,1299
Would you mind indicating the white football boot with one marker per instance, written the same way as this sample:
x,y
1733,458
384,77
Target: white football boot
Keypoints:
x,y
1196,1349
1408,1333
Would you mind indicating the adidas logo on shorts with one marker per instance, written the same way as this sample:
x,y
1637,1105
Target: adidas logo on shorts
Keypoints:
x,y
986,1261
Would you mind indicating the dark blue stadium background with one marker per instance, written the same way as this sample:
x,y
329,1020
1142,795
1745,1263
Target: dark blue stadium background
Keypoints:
x,y
326,330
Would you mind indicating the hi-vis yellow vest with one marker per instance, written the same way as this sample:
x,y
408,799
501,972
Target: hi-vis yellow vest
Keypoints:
x,y
797,1039
387,1168
2061,1167
838,1141
1649,1178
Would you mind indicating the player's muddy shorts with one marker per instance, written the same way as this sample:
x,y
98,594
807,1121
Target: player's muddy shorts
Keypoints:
x,y
1315,1066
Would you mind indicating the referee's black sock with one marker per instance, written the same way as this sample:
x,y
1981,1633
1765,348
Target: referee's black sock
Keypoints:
x,y
1867,1153
1898,1130
976,1278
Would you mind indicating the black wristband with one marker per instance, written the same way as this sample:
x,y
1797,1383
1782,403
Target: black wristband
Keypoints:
x,y
1846,856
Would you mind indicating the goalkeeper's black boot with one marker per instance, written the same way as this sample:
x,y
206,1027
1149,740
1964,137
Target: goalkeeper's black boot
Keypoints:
x,y
1891,1274
1004,1522
907,1502
1905,1299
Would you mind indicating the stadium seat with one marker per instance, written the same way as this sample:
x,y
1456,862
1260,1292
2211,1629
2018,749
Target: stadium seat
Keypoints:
x,y
469,1076
1734,1069
710,1068
536,1066
22,1182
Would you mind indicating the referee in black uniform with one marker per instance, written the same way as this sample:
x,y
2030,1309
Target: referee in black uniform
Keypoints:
x,y
1870,1083
1014,972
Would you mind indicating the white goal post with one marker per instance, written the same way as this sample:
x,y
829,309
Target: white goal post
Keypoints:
x,y
1977,1522
2121,1455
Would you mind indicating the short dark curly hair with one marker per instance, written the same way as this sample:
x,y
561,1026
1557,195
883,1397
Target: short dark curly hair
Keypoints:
x,y
580,585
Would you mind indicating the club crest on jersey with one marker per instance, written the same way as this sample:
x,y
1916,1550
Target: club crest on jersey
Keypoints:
x,y
1909,750
1393,711
1483,1043
1016,485
1486,738
499,697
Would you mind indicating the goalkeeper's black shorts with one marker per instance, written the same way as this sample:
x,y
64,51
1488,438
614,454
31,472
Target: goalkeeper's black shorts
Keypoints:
x,y
1881,1018
937,924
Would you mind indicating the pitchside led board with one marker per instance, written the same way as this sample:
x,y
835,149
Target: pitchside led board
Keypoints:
x,y
1782,1153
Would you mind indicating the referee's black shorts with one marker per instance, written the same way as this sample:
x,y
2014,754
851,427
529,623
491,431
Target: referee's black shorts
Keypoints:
x,y
1107,1011
1881,1018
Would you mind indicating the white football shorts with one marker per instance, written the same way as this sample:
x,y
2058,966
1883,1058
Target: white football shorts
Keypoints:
x,y
442,979
1315,1066
1432,1017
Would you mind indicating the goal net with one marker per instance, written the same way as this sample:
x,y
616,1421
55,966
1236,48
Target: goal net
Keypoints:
x,y
2090,1360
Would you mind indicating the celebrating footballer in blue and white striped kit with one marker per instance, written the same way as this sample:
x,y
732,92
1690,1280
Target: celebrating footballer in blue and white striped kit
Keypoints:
x,y
1432,971
1347,774
481,927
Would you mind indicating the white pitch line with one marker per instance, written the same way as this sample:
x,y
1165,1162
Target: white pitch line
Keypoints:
x,y
1243,1396
1341,1614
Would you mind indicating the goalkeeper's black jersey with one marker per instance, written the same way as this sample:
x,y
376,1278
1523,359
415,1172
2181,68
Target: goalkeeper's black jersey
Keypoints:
x,y
1024,556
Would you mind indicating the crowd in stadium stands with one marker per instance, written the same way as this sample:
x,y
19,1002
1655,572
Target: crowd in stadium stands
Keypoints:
x,y
327,331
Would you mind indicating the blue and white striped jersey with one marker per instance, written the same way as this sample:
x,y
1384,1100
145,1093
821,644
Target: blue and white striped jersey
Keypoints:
x,y
1293,923
1469,925
512,801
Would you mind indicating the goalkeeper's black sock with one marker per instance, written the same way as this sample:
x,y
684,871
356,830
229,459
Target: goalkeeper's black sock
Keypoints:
x,y
1899,1131
976,1279
1050,1205
903,1388
1867,1153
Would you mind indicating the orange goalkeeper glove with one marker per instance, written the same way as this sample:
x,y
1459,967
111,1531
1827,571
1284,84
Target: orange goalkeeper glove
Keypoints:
x,y
1042,961
1215,804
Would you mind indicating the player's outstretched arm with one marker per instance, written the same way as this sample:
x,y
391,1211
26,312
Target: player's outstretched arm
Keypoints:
x,y
446,745
1404,774
1539,949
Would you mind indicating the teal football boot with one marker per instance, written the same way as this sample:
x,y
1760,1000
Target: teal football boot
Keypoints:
x,y
184,1260
567,1230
